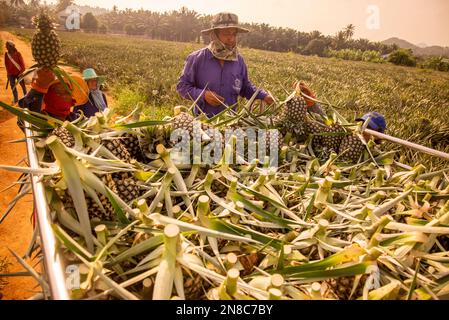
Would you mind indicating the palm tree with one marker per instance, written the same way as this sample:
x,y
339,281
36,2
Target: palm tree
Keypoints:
x,y
188,24
339,40
349,31
363,44
63,4
17,3
315,34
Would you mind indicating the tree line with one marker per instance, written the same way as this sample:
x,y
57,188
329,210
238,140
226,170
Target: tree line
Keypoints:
x,y
184,25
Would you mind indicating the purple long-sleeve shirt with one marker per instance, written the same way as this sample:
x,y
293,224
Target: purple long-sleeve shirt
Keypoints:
x,y
203,70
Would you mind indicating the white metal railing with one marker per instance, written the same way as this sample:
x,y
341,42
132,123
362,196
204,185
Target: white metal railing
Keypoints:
x,y
52,260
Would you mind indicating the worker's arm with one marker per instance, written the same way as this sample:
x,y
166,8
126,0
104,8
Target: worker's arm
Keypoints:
x,y
186,84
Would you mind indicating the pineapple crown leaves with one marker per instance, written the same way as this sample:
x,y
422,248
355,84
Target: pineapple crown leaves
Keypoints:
x,y
43,21
331,119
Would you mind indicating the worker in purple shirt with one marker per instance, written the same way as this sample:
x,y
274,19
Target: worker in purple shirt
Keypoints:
x,y
218,70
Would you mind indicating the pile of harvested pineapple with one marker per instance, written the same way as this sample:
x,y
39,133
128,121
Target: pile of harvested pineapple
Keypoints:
x,y
142,225
332,218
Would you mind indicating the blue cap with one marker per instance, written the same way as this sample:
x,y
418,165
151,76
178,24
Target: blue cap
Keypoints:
x,y
377,121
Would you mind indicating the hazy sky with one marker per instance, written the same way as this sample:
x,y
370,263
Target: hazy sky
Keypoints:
x,y
418,21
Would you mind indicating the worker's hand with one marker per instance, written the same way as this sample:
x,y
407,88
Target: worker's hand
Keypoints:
x,y
213,99
268,100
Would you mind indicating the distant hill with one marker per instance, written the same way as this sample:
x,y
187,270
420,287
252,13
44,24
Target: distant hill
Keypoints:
x,y
426,51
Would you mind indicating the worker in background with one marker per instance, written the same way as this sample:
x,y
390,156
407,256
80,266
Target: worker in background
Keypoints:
x,y
15,66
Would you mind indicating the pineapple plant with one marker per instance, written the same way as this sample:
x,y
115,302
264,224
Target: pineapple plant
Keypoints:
x,y
45,44
351,148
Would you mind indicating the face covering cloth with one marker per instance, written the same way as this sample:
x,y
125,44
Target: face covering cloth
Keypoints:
x,y
220,51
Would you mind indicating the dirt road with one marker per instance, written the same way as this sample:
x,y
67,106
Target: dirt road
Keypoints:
x,y
16,230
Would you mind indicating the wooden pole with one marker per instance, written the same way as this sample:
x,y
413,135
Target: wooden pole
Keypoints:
x,y
408,144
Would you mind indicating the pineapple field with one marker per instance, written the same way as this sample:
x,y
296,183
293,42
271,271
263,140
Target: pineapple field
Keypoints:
x,y
334,217
414,102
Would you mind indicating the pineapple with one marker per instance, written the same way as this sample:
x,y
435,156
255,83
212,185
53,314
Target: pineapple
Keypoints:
x,y
444,242
274,139
333,142
342,287
121,184
195,287
352,147
296,110
314,127
131,142
183,121
45,45
116,147
65,136
293,117
186,122
299,128
217,140
93,209
127,188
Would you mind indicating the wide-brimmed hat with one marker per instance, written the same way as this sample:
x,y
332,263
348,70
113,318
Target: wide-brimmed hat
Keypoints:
x,y
377,121
90,73
224,20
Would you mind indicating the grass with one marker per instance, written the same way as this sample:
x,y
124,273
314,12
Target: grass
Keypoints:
x,y
414,101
